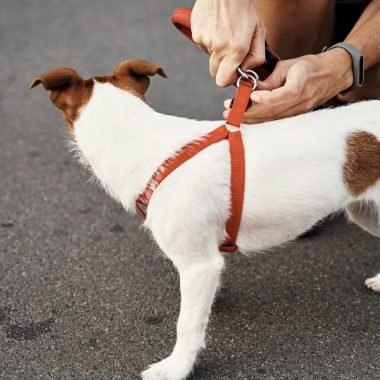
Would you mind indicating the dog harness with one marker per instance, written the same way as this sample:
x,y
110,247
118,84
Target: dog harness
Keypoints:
x,y
246,83
237,164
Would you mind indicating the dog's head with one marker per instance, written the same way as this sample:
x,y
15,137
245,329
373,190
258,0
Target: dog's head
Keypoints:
x,y
70,92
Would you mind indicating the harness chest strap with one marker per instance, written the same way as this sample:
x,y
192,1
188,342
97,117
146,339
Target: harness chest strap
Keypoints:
x,y
188,151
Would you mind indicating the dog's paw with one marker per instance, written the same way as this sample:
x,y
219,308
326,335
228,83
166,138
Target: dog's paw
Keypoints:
x,y
373,283
167,369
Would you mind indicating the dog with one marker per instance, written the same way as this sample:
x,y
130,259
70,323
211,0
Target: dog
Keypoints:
x,y
298,170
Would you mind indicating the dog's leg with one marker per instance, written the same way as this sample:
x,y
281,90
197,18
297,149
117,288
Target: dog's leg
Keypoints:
x,y
373,283
367,215
199,280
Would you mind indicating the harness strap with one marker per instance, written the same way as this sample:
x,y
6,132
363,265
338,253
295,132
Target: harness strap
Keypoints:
x,y
239,106
237,183
185,153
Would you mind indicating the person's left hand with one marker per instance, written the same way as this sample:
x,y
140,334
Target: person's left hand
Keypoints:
x,y
299,85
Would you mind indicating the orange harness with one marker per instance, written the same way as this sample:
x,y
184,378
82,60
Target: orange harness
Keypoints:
x,y
181,19
237,165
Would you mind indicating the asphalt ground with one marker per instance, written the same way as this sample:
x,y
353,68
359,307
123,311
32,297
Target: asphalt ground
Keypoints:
x,y
84,293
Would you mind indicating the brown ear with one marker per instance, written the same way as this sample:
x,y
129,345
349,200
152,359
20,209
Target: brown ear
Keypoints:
x,y
59,78
134,75
138,67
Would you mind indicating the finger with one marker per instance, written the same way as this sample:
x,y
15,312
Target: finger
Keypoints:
x,y
263,115
214,64
260,113
278,108
258,95
204,49
265,112
226,74
256,54
276,79
273,98
289,92
257,113
225,114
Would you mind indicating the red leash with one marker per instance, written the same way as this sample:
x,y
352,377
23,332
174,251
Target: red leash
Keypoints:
x,y
247,82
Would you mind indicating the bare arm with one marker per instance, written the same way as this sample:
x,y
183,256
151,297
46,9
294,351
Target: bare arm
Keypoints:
x,y
300,84
365,35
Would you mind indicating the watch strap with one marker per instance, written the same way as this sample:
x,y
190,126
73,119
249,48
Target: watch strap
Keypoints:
x,y
357,64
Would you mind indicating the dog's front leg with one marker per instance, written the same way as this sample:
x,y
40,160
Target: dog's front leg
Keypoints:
x,y
199,280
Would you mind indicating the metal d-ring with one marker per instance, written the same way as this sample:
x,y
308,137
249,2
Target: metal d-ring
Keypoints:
x,y
241,73
253,73
248,75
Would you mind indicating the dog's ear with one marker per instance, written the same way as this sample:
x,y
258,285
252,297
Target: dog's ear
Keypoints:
x,y
139,67
56,79
138,71
68,91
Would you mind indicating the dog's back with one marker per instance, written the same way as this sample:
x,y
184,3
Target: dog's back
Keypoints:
x,y
301,169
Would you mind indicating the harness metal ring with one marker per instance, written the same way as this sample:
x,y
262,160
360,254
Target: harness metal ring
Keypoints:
x,y
241,73
253,73
248,77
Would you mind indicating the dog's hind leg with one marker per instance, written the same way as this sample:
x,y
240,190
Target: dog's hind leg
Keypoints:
x,y
373,283
199,280
367,215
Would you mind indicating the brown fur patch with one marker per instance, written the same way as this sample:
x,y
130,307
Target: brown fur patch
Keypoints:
x,y
362,166
124,83
72,101
133,75
68,91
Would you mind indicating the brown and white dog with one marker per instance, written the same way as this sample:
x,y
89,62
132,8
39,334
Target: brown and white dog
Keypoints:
x,y
298,170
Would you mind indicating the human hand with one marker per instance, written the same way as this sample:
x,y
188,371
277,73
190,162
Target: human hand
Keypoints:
x,y
232,33
299,85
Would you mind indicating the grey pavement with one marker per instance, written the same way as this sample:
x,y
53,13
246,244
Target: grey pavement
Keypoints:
x,y
84,293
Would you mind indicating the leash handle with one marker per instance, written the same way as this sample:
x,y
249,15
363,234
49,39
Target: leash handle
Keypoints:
x,y
181,19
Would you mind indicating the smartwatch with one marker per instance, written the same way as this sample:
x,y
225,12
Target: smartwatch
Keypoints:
x,y
357,64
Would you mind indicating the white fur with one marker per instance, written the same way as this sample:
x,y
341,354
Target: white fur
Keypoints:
x,y
294,177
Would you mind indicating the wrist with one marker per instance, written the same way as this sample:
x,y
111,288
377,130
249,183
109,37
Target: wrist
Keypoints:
x,y
339,63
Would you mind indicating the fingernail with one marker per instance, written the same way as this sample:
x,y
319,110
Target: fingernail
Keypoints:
x,y
255,98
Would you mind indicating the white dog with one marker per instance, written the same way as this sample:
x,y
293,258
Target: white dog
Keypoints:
x,y
298,170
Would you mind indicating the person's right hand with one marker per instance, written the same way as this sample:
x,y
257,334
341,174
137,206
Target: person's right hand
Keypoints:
x,y
232,32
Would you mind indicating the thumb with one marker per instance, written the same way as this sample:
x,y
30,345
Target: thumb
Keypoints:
x,y
276,79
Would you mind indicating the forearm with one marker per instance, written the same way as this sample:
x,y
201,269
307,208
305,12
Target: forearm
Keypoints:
x,y
365,35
